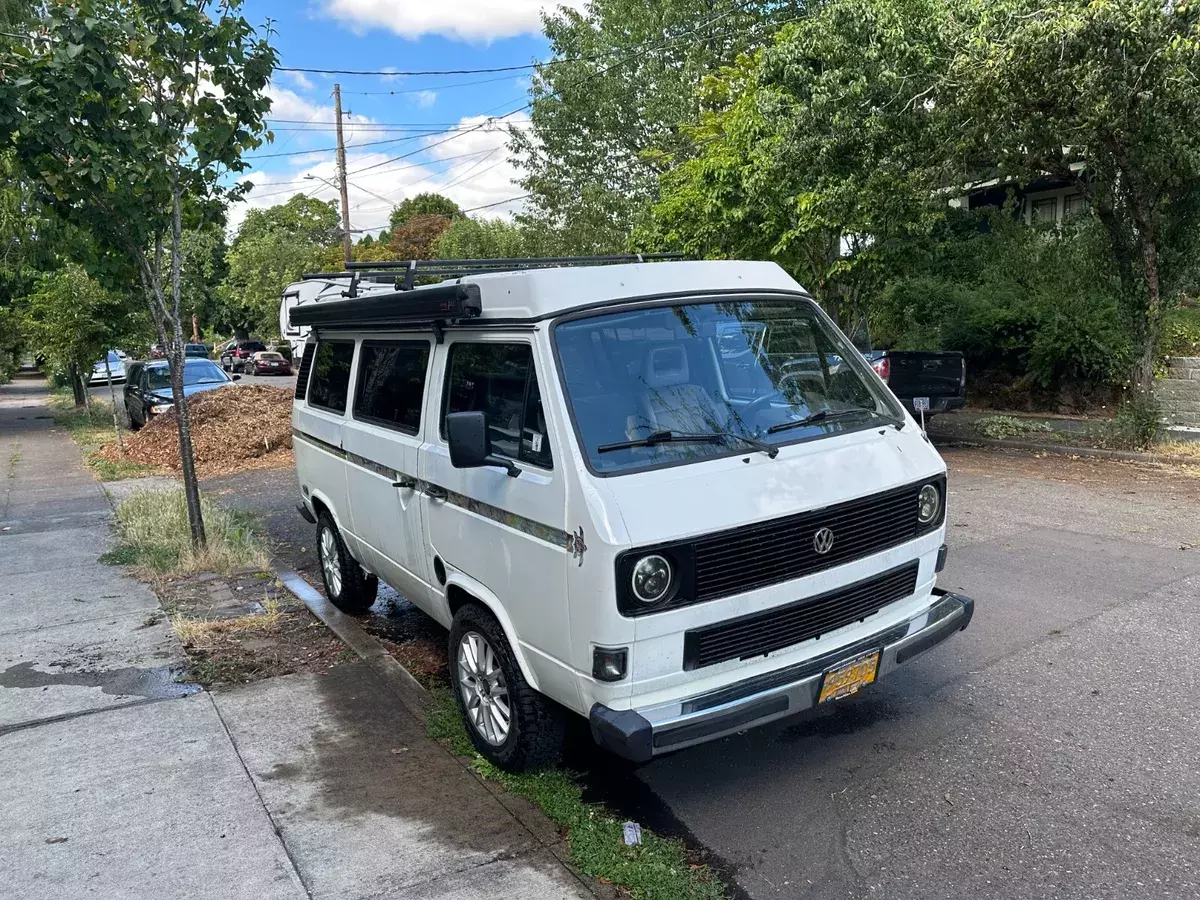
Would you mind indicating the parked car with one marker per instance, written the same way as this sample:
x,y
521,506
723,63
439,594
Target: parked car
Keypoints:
x,y
158,351
610,487
115,365
236,355
196,351
935,380
148,390
268,362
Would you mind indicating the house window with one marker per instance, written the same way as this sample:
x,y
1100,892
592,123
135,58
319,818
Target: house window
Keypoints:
x,y
1074,205
1044,211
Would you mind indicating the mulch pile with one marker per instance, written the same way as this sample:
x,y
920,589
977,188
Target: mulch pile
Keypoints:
x,y
233,429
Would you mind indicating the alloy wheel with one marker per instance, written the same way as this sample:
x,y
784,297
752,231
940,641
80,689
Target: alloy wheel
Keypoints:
x,y
331,562
484,690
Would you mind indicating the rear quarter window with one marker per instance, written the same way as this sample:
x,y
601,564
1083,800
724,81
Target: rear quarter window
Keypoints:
x,y
330,380
391,383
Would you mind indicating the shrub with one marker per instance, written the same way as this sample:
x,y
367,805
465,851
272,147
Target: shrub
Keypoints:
x,y
1135,426
1180,333
1007,426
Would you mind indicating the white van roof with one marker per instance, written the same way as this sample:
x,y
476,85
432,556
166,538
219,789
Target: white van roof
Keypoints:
x,y
537,293
543,293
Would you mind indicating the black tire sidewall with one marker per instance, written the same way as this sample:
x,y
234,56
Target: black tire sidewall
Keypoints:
x,y
359,589
513,754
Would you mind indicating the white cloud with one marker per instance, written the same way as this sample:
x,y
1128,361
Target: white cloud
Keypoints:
x,y
464,20
425,99
474,169
300,80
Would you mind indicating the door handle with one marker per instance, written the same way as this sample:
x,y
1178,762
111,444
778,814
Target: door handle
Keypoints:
x,y
436,493
405,482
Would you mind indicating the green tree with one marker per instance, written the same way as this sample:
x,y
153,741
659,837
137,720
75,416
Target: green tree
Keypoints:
x,y
470,238
121,109
272,248
607,109
72,320
815,154
203,268
1032,87
428,204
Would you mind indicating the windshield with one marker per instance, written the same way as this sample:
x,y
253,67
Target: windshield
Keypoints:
x,y
708,376
113,360
195,371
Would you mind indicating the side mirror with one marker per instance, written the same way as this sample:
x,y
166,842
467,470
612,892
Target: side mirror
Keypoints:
x,y
470,446
236,377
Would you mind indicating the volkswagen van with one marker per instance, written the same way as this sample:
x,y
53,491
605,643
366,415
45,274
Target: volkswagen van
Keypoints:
x,y
667,496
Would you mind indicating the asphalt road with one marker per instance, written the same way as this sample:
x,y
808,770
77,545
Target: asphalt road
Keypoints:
x,y
1048,751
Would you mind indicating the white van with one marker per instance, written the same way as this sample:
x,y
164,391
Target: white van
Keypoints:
x,y
667,496
318,288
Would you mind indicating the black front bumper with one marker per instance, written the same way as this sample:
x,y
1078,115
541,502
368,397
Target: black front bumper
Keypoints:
x,y
639,735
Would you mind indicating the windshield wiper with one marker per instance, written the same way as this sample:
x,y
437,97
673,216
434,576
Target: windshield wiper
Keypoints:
x,y
676,437
823,415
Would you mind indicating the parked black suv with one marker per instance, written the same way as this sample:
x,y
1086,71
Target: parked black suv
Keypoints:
x,y
236,357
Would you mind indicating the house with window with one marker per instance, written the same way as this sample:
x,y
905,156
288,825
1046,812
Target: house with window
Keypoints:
x,y
1051,199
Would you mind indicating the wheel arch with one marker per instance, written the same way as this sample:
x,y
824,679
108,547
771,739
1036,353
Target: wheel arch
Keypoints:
x,y
462,590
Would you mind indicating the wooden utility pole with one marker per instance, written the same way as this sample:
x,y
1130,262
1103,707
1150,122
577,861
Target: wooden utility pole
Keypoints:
x,y
341,164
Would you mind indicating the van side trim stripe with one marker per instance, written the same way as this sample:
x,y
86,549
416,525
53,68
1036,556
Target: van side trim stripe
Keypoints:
x,y
572,543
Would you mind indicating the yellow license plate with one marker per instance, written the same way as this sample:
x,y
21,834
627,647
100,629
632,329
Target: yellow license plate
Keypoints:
x,y
847,678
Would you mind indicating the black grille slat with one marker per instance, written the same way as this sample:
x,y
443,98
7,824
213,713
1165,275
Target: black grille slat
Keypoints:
x,y
767,553
775,629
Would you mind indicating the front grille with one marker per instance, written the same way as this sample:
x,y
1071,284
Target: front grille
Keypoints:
x,y
767,553
766,632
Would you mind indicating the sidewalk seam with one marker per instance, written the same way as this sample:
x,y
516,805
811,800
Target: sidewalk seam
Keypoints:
x,y
258,794
79,714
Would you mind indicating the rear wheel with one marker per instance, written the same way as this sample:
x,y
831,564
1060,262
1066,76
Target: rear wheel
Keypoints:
x,y
347,585
509,723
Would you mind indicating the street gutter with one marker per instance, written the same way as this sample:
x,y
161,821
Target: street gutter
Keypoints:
x,y
1063,450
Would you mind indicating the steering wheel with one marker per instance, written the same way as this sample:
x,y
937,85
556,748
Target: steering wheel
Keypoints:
x,y
754,407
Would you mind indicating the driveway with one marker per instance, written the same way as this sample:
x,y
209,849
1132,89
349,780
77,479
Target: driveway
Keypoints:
x,y
1047,751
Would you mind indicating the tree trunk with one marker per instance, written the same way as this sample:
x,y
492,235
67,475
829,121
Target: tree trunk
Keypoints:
x,y
112,393
191,488
1143,372
84,382
77,389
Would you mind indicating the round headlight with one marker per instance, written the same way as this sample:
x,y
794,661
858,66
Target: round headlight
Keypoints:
x,y
929,503
651,578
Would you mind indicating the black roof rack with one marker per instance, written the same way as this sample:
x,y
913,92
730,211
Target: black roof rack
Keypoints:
x,y
459,268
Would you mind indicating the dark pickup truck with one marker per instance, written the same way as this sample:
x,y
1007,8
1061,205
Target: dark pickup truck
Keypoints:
x,y
938,378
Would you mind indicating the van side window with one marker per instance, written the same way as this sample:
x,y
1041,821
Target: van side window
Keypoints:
x,y
499,379
391,383
331,375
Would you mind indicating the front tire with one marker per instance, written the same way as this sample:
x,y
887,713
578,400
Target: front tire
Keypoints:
x,y
347,585
509,723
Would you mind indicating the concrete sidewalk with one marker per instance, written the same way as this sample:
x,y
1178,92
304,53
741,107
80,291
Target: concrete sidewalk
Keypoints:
x,y
120,782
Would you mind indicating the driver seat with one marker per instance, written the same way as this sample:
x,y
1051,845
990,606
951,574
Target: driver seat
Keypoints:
x,y
671,402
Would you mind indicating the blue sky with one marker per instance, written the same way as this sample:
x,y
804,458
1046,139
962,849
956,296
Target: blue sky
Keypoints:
x,y
467,160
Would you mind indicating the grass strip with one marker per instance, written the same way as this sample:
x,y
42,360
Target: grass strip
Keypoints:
x,y
92,431
153,527
656,869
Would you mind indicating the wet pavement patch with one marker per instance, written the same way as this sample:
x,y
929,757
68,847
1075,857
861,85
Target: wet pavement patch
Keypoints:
x,y
156,683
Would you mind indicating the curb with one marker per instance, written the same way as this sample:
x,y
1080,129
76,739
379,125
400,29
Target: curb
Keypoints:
x,y
1061,450
415,698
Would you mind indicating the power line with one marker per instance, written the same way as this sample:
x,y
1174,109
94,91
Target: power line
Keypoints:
x,y
434,88
395,73
350,122
274,184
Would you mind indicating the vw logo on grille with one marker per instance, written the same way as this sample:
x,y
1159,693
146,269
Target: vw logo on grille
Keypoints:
x,y
823,541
